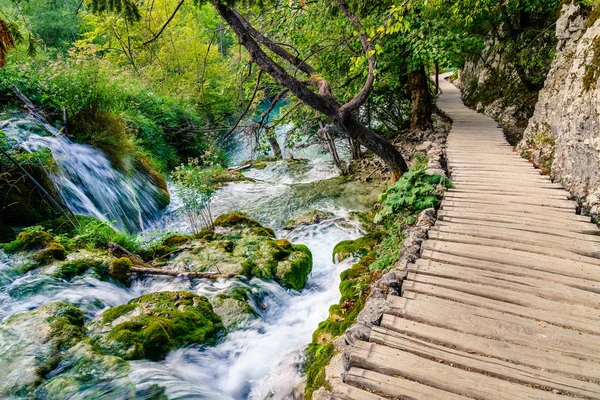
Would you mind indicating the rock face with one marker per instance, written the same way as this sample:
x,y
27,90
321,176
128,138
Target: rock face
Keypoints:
x,y
563,136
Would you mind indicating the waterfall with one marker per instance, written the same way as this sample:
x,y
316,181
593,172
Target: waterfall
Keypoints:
x,y
85,179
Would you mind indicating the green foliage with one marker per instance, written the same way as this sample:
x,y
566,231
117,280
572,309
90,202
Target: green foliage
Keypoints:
x,y
95,234
195,186
358,247
413,192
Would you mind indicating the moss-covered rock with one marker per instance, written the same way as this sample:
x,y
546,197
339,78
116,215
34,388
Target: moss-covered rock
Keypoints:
x,y
293,272
240,220
35,239
120,268
150,326
175,240
358,247
71,268
308,218
37,341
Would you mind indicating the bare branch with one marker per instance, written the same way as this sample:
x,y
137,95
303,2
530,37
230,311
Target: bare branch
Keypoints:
x,y
165,24
247,106
369,50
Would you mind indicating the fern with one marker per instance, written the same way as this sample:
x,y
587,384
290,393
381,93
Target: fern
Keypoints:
x,y
413,192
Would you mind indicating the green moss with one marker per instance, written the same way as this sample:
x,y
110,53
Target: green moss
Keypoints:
x,y
293,273
176,240
262,231
159,322
54,251
318,357
259,165
237,219
120,268
592,68
34,238
358,247
115,312
70,269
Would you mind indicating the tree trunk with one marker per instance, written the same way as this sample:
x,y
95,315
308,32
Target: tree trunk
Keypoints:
x,y
421,101
325,133
355,151
274,144
376,144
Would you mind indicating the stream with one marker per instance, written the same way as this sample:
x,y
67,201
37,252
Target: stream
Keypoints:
x,y
263,358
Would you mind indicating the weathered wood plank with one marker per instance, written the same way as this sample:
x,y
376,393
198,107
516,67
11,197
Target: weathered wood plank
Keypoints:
x,y
485,364
577,318
576,269
391,361
557,253
580,231
496,325
511,283
587,248
495,266
347,392
518,354
397,387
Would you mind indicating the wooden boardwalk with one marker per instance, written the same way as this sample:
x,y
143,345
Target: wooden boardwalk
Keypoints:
x,y
505,301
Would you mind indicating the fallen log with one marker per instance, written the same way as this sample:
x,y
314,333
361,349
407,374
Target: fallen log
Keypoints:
x,y
34,112
240,167
170,272
119,251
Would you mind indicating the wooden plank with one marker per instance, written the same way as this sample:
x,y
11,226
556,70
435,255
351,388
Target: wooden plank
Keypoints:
x,y
500,190
496,325
397,387
514,245
510,197
576,230
520,258
517,203
585,320
518,284
436,256
490,366
523,355
588,248
484,181
348,392
391,361
498,208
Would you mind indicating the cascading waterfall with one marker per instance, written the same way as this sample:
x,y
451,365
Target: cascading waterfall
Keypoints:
x,y
263,357
85,179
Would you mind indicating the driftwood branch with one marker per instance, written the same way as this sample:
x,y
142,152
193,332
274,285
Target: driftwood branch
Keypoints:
x,y
170,272
140,267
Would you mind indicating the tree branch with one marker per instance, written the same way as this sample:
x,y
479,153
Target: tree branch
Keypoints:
x,y
361,97
275,47
247,106
322,103
164,25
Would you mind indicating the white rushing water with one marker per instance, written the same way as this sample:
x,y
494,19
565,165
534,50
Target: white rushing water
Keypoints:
x,y
86,181
260,360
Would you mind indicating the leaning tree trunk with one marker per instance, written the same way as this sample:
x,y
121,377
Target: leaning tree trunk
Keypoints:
x,y
421,100
323,100
274,144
